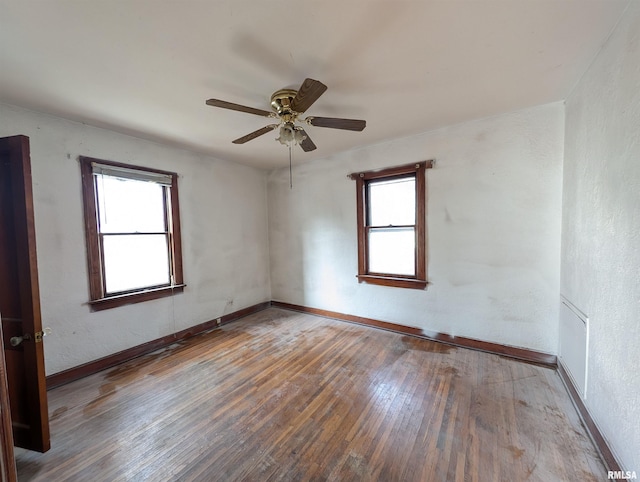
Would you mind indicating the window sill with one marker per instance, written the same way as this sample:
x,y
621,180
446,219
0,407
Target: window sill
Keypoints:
x,y
417,284
137,297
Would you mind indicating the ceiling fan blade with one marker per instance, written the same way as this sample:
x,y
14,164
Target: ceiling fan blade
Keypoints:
x,y
238,107
308,93
337,123
307,144
254,134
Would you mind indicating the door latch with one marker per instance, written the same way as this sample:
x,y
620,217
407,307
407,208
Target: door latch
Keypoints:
x,y
39,335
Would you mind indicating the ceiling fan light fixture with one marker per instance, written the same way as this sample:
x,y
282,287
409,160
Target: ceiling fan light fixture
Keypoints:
x,y
299,135
290,134
286,134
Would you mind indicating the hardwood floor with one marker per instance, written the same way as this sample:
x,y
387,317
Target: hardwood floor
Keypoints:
x,y
287,396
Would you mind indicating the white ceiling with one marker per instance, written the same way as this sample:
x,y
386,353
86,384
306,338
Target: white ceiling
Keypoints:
x,y
146,67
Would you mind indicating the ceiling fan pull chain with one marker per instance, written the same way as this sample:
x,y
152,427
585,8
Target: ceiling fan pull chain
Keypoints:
x,y
290,172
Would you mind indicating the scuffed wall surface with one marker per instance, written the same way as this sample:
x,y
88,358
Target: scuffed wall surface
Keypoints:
x,y
224,224
601,231
493,221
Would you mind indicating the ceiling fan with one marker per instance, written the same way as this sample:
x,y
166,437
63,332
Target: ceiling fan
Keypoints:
x,y
288,105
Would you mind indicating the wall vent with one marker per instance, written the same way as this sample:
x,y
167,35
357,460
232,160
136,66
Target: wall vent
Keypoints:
x,y
574,344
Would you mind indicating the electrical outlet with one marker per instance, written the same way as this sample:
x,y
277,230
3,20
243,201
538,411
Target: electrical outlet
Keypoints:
x,y
219,321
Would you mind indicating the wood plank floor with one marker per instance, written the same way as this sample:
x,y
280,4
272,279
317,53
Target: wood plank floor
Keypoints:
x,y
287,396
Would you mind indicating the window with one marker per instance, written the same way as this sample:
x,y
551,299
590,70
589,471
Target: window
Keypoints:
x,y
133,233
391,226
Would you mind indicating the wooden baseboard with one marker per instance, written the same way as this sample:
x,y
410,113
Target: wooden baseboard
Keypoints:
x,y
610,460
522,354
109,361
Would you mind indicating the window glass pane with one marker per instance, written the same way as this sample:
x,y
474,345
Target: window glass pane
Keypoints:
x,y
392,202
129,206
392,251
135,261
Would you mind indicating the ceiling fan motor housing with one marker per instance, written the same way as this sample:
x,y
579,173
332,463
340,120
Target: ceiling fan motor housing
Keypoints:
x,y
281,101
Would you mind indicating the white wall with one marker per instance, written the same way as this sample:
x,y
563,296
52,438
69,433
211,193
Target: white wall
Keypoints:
x,y
493,221
601,231
224,224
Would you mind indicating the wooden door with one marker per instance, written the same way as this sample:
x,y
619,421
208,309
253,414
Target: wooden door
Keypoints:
x,y
20,298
